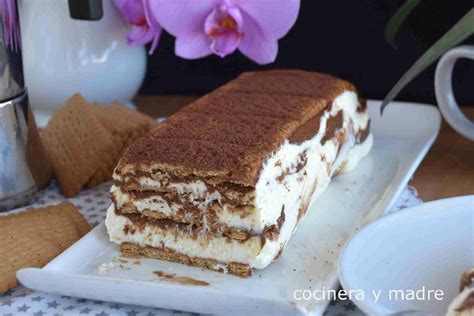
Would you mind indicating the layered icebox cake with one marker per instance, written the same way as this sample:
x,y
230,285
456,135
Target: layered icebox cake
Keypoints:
x,y
223,183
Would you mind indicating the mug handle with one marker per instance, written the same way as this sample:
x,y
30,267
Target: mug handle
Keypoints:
x,y
444,91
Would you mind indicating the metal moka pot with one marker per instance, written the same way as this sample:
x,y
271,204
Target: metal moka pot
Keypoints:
x,y
23,162
24,166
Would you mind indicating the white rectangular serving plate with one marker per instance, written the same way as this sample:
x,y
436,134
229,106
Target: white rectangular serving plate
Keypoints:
x,y
309,262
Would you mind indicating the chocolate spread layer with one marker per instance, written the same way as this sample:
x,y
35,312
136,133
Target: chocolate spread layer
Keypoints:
x,y
334,123
363,133
307,130
140,221
187,179
171,196
235,201
188,214
273,232
228,190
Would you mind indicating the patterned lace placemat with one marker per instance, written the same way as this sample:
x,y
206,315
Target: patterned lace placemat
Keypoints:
x,y
93,205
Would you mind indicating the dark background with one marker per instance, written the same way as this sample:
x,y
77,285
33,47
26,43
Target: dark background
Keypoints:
x,y
341,37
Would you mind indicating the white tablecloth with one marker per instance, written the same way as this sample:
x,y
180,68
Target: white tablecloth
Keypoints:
x,y
93,204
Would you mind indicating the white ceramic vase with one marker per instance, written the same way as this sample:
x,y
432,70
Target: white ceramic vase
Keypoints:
x,y
63,56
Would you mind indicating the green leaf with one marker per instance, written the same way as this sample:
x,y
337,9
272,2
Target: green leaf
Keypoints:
x,y
459,32
397,20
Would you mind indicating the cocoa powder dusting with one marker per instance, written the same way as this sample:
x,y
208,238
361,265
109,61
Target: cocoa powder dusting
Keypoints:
x,y
229,133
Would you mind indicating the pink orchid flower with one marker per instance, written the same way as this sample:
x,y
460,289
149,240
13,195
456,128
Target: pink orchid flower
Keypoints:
x,y
145,28
11,25
203,27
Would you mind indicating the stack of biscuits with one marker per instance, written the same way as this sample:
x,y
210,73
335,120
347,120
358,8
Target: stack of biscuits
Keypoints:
x,y
84,141
33,237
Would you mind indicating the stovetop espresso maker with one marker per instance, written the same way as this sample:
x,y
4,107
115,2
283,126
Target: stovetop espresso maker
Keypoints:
x,y
24,166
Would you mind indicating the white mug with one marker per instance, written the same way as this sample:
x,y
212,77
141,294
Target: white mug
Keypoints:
x,y
444,91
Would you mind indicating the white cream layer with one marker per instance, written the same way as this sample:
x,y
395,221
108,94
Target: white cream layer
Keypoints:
x,y
270,194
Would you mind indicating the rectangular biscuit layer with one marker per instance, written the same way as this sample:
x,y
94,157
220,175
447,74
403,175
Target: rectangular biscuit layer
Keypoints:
x,y
228,178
